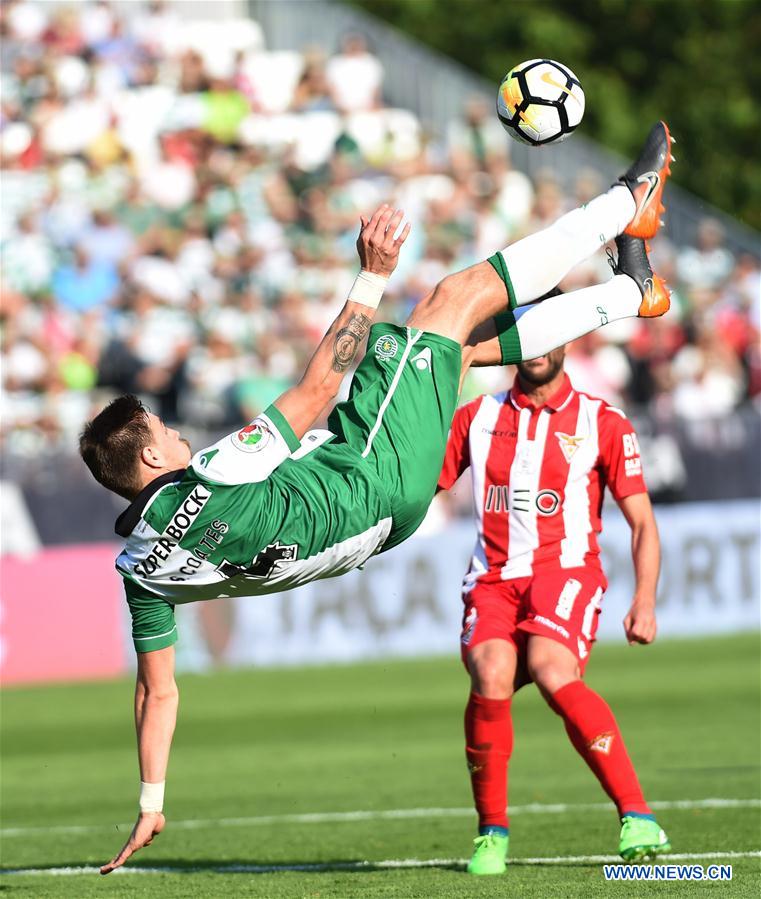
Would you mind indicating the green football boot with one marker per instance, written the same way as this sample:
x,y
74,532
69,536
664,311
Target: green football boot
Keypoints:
x,y
490,855
641,838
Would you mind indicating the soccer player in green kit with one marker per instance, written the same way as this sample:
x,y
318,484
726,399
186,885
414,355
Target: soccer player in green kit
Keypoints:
x,y
273,505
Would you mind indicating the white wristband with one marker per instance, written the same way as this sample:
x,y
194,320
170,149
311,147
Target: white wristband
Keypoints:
x,y
152,796
368,289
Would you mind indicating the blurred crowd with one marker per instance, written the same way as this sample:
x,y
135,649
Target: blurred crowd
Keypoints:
x,y
180,208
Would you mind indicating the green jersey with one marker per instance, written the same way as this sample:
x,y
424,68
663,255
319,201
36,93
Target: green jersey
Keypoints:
x,y
262,512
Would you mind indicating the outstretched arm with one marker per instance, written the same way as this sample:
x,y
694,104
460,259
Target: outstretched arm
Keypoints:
x,y
378,253
156,700
639,623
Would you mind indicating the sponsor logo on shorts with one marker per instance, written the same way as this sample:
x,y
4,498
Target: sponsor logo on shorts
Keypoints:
x,y
252,438
552,625
602,744
386,347
469,625
582,647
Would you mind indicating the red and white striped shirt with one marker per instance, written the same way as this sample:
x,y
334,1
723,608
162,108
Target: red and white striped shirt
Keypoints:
x,y
539,475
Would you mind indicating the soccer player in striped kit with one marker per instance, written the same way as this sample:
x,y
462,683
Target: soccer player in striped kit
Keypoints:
x,y
540,457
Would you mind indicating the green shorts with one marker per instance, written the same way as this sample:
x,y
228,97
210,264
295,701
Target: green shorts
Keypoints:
x,y
400,407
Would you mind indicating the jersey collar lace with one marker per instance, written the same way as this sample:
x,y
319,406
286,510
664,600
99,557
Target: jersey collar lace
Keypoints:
x,y
127,521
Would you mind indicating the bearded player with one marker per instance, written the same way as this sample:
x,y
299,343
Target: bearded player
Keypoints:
x,y
273,505
541,456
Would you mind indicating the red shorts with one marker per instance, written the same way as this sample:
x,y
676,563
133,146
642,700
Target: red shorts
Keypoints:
x,y
560,603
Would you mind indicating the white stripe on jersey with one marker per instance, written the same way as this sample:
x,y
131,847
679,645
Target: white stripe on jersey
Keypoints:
x,y
523,487
577,516
412,339
480,437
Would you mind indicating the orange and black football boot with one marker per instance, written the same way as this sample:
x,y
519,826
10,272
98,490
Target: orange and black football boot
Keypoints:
x,y
646,178
633,261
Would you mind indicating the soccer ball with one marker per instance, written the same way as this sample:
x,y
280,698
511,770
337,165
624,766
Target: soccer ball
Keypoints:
x,y
540,102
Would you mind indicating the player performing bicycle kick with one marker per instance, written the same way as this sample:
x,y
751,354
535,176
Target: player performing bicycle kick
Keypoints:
x,y
271,506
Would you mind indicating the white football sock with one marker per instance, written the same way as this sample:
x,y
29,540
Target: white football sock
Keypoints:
x,y
557,320
539,262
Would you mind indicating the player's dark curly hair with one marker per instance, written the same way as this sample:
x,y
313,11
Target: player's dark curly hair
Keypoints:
x,y
111,444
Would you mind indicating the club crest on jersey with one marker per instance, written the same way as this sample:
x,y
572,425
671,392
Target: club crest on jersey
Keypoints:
x,y
252,438
569,443
602,744
386,347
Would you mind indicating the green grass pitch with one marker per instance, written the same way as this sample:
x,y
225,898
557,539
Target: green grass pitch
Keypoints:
x,y
381,736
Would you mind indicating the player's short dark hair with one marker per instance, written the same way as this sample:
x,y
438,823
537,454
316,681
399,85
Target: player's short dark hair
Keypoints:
x,y
111,444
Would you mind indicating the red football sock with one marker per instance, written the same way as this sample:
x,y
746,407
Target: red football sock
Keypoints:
x,y
593,730
488,746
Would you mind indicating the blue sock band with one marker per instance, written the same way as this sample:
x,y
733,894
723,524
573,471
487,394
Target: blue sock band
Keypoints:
x,y
638,815
493,828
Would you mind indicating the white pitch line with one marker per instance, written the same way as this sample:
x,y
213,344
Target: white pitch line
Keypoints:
x,y
394,814
385,864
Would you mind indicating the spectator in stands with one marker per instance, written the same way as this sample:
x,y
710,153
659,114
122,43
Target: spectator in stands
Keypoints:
x,y
313,92
24,358
106,240
27,258
97,21
29,83
475,140
549,202
155,26
225,107
85,283
594,364
355,76
708,264
119,50
514,194
27,22
170,182
709,377
119,138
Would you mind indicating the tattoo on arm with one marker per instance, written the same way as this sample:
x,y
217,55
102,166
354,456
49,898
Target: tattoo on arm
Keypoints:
x,y
348,340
